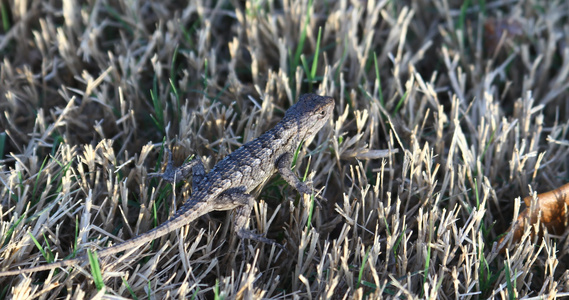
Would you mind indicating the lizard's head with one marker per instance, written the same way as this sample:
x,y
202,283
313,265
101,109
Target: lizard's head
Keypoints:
x,y
310,113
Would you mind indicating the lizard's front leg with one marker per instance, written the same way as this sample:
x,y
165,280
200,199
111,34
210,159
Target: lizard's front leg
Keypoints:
x,y
283,166
171,174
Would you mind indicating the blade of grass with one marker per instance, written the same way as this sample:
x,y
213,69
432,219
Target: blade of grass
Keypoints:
x,y
312,200
488,144
5,20
216,295
511,288
315,60
119,17
461,22
398,242
187,33
4,291
173,83
344,55
362,268
157,104
311,73
36,183
300,46
400,103
308,74
95,269
129,288
195,294
205,75
2,143
48,255
379,90
428,257
11,231
177,96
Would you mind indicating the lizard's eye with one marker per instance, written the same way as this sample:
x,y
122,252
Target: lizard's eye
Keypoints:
x,y
322,114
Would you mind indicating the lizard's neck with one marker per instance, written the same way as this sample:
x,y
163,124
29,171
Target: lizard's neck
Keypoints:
x,y
285,136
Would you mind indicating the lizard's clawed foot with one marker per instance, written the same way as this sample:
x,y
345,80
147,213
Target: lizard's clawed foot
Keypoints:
x,y
304,189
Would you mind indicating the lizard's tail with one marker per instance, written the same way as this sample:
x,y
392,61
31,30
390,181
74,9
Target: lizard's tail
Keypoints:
x,y
191,210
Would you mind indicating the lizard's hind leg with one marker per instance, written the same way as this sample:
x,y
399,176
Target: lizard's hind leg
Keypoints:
x,y
244,203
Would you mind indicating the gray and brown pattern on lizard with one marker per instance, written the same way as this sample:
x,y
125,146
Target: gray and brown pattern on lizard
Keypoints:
x,y
228,184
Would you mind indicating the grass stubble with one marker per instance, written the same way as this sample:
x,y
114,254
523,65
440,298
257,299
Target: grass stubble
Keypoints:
x,y
446,114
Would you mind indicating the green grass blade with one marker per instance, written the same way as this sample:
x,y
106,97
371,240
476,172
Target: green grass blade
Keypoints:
x,y
95,269
362,268
315,60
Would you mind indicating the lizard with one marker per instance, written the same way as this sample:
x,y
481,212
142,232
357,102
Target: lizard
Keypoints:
x,y
229,184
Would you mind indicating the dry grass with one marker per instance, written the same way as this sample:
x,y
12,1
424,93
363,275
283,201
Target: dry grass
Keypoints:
x,y
423,167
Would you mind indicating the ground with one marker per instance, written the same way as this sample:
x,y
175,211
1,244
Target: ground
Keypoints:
x,y
447,114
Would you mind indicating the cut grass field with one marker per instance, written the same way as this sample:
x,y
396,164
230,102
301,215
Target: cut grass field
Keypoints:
x,y
447,114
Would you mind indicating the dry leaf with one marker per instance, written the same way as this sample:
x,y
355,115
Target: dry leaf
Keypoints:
x,y
495,29
553,208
